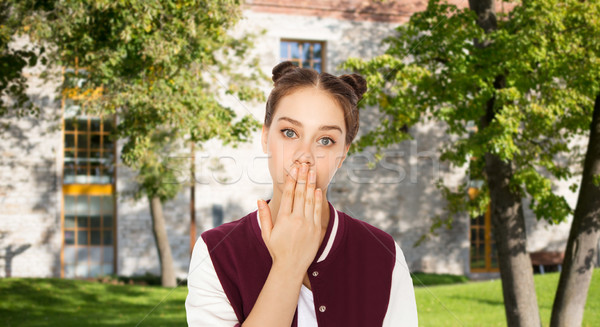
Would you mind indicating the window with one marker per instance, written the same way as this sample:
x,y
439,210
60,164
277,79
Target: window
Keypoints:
x,y
307,54
89,151
88,210
483,254
88,235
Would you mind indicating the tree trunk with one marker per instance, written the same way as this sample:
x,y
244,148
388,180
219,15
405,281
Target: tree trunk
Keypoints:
x,y
516,272
580,255
162,243
508,220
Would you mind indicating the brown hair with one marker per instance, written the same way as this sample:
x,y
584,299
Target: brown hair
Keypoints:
x,y
347,90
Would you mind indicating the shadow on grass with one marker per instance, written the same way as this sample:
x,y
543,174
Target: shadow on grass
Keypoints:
x,y
467,299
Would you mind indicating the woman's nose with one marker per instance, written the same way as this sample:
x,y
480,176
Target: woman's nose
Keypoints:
x,y
305,155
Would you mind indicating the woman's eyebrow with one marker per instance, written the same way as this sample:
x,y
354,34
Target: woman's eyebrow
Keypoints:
x,y
321,128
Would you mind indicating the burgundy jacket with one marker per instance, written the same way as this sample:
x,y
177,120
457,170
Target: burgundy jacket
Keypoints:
x,y
351,287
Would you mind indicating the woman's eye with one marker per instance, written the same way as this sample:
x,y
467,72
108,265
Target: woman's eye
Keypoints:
x,y
327,141
288,132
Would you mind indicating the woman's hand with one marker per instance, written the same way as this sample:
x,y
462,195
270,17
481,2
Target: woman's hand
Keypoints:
x,y
294,240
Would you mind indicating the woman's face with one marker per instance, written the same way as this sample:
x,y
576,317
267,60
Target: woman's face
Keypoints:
x,y
308,127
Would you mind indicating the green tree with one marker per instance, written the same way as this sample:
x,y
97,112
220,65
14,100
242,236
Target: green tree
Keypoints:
x,y
13,61
527,80
157,66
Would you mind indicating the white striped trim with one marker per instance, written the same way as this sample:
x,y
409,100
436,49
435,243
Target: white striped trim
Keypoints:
x,y
331,237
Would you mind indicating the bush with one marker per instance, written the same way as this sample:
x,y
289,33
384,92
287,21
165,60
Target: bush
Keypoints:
x,y
424,279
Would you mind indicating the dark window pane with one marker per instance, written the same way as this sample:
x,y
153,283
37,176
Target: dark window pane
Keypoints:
x,y
95,222
95,124
69,156
480,263
95,175
108,144
106,175
69,174
107,220
107,156
82,222
69,237
95,141
70,124
107,125
69,140
82,125
82,237
82,141
96,155
108,237
82,157
95,237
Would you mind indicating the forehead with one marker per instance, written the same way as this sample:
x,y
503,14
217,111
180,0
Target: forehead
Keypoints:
x,y
310,106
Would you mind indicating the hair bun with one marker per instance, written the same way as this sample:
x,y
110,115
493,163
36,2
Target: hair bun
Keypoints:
x,y
358,83
281,69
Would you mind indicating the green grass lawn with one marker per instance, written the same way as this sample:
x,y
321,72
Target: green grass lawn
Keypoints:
x,y
59,302
481,304
63,302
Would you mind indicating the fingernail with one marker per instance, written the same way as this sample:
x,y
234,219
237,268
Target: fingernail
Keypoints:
x,y
312,176
294,172
259,203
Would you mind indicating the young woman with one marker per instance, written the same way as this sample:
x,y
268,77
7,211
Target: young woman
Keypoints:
x,y
297,261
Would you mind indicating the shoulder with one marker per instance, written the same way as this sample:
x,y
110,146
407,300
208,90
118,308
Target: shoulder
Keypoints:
x,y
229,230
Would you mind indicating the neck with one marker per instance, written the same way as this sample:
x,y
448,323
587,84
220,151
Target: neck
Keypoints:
x,y
276,201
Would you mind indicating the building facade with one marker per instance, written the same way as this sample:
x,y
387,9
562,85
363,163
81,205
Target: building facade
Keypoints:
x,y
66,202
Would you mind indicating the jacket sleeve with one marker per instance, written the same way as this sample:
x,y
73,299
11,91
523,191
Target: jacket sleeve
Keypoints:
x,y
206,303
402,307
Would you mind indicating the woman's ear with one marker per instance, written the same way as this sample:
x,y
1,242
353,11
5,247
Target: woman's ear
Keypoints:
x,y
263,139
344,156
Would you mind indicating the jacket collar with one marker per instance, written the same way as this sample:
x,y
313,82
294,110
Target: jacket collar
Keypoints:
x,y
332,238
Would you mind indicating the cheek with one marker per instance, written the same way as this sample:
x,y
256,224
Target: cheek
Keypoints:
x,y
278,161
326,168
